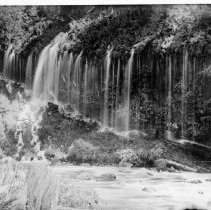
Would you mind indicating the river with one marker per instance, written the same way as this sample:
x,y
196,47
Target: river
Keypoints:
x,y
140,188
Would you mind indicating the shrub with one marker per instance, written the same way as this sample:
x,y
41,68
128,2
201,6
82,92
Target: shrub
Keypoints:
x,y
82,151
148,157
12,186
75,197
9,143
33,187
8,119
105,158
126,156
142,157
42,188
52,152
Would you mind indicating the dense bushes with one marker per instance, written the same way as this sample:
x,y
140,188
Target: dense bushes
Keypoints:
x,y
159,28
33,27
84,152
141,157
93,28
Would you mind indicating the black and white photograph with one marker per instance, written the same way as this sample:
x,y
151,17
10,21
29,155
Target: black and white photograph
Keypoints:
x,y
105,106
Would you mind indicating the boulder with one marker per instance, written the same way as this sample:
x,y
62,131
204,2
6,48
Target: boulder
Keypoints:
x,y
146,189
52,107
107,177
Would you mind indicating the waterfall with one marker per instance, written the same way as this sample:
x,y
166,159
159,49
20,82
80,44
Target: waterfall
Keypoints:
x,y
85,86
127,87
70,65
169,100
19,60
9,62
76,81
183,88
29,73
113,101
108,63
63,66
82,80
194,89
46,80
117,117
6,60
117,97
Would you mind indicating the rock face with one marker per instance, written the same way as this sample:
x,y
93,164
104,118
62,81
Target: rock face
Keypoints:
x,y
52,107
107,177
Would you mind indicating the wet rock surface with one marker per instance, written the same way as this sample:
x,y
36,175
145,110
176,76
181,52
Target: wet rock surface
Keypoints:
x,y
107,177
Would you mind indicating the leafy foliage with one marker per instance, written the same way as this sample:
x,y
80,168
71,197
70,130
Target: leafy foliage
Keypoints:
x,y
81,151
93,28
22,23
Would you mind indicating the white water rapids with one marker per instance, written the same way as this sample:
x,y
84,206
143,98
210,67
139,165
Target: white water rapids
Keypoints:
x,y
143,189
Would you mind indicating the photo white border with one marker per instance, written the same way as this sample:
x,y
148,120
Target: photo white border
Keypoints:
x,y
99,2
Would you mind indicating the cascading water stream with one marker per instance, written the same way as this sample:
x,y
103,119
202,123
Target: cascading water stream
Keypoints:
x,y
117,97
40,75
9,67
108,63
85,87
70,66
80,80
113,101
169,100
183,87
76,81
6,59
46,80
194,89
35,142
29,73
127,89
